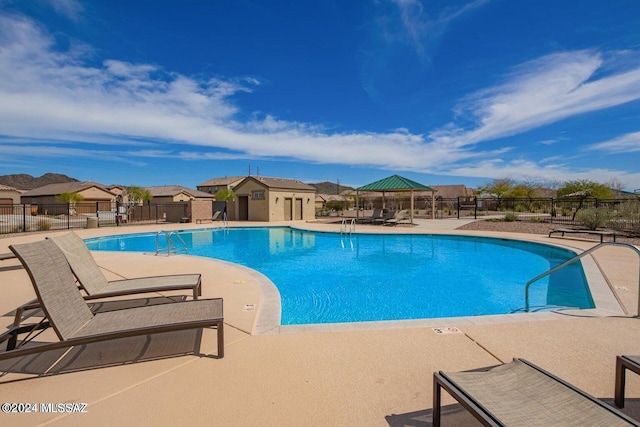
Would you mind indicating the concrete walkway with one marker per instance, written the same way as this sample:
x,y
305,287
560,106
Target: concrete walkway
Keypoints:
x,y
373,375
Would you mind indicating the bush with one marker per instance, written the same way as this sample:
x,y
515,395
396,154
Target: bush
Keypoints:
x,y
44,225
592,219
511,216
627,218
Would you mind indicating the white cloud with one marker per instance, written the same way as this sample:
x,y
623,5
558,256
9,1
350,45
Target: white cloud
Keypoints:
x,y
628,143
423,29
545,91
47,95
72,9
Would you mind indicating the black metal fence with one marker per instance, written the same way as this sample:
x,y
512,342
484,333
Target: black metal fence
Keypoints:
x,y
618,214
32,217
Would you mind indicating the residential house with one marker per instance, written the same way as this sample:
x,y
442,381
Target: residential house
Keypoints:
x,y
95,197
176,193
213,185
9,196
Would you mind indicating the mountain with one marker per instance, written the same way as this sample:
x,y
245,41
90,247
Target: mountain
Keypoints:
x,y
27,182
330,188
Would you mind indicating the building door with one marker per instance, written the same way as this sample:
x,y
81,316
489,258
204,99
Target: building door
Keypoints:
x,y
298,211
243,208
288,207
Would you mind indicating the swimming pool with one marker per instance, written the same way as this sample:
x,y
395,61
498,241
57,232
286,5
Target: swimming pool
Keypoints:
x,y
333,278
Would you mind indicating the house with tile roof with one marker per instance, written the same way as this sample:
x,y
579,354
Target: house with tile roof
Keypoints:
x,y
90,191
214,185
176,193
272,199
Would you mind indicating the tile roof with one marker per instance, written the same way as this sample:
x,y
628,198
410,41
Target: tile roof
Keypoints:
x,y
221,181
172,190
64,187
284,183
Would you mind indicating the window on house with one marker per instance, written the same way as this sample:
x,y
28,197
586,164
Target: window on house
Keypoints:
x,y
258,195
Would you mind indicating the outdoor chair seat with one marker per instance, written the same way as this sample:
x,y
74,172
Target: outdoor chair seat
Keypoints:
x,y
521,394
91,278
75,324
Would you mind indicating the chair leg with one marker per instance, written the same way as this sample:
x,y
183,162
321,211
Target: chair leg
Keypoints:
x,y
437,401
220,332
620,383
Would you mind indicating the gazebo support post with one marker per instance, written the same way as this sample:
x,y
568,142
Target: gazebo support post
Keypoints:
x,y
411,206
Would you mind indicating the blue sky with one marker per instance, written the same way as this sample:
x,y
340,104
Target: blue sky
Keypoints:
x,y
154,92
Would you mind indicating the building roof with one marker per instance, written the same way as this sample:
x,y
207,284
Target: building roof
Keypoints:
x,y
174,190
64,187
395,183
282,183
451,191
8,188
227,180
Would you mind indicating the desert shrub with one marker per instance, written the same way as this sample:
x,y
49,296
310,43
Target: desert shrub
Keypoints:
x,y
44,225
511,216
593,219
627,218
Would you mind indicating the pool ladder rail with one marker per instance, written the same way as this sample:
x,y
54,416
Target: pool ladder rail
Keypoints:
x,y
348,227
172,239
574,259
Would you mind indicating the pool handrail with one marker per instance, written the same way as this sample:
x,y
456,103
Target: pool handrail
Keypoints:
x,y
168,234
576,258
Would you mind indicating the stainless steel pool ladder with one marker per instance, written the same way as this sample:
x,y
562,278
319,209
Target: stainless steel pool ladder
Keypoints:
x,y
348,227
576,258
171,244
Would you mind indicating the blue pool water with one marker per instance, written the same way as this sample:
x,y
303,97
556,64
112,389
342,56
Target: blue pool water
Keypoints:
x,y
329,278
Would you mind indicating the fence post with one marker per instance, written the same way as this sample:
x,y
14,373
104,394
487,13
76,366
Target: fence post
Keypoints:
x,y
458,208
24,217
68,215
475,207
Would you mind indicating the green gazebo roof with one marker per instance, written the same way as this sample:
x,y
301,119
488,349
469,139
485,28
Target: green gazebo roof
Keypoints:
x,y
395,183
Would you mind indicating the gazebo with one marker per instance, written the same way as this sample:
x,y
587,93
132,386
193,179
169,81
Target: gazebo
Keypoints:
x,y
397,183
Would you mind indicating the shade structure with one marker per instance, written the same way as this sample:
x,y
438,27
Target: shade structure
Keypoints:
x,y
397,183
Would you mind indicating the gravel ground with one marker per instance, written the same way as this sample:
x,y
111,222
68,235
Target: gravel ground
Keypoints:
x,y
535,228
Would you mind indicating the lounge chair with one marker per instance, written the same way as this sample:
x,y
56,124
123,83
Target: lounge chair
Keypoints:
x,y
385,217
377,213
399,218
74,323
622,364
521,394
96,285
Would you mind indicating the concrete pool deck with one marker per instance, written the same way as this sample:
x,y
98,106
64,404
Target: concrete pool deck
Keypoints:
x,y
377,375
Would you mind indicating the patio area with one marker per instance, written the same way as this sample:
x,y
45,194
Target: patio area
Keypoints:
x,y
343,375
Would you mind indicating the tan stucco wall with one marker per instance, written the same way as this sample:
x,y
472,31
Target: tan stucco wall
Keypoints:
x,y
10,194
272,207
95,194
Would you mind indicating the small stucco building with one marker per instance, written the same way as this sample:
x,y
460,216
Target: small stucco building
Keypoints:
x,y
272,199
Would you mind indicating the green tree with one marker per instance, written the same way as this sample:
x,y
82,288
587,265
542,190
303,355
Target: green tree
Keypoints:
x,y
134,196
70,199
583,189
227,195
499,187
137,195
